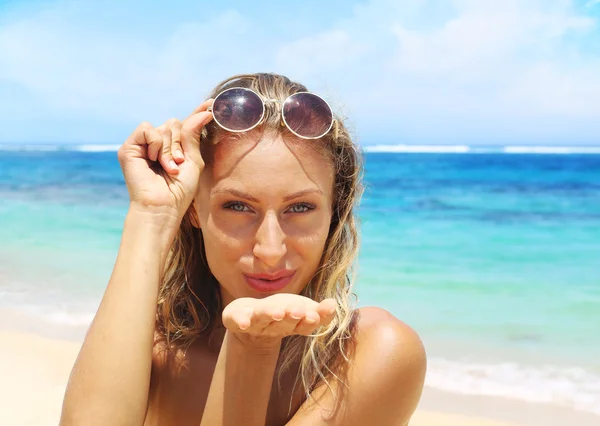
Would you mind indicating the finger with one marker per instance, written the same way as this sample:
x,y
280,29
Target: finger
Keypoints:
x,y
239,319
138,135
326,307
285,327
135,145
326,310
165,158
326,320
295,312
264,315
276,314
176,150
202,107
153,139
311,321
190,135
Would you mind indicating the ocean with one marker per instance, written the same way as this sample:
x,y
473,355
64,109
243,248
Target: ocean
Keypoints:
x,y
491,254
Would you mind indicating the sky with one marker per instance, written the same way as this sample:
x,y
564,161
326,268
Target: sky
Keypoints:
x,y
480,72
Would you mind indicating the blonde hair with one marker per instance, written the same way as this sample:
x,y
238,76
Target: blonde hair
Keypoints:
x,y
189,299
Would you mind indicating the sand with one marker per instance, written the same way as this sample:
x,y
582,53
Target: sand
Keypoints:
x,y
35,371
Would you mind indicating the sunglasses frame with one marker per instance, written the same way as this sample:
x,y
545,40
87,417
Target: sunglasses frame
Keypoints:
x,y
262,116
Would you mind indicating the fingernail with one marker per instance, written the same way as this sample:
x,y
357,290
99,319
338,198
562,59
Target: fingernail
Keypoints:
x,y
178,154
173,165
331,311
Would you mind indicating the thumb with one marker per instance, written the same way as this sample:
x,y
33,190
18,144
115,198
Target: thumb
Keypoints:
x,y
190,133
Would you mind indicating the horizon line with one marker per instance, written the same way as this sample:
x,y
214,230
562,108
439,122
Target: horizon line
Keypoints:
x,y
374,148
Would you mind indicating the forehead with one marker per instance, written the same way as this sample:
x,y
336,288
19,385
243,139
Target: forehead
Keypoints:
x,y
270,163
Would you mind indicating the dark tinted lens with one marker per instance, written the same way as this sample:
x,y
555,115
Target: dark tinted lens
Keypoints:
x,y
238,109
307,115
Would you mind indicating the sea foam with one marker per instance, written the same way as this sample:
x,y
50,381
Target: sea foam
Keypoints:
x,y
481,149
572,387
56,148
401,148
96,148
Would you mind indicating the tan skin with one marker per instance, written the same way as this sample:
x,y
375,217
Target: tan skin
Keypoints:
x,y
263,206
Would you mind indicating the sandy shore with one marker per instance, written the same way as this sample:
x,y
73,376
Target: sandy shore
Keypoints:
x,y
427,418
35,371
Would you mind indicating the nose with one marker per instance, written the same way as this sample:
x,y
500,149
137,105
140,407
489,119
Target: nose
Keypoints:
x,y
270,241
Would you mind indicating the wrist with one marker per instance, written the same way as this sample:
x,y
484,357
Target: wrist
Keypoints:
x,y
251,345
161,216
161,228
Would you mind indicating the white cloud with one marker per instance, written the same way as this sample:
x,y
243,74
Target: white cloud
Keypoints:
x,y
482,37
516,50
521,63
330,50
415,70
115,75
547,89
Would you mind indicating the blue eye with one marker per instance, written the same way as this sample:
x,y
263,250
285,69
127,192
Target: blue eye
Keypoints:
x,y
301,208
239,207
236,206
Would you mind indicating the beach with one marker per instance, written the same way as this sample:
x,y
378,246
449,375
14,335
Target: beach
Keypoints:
x,y
491,257
35,371
478,224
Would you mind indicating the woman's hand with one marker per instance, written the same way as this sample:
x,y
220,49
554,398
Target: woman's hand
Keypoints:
x,y
263,323
162,165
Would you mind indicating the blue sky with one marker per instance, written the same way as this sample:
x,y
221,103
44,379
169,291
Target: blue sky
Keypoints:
x,y
410,71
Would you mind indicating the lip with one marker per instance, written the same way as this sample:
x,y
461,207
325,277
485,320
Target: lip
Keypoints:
x,y
265,283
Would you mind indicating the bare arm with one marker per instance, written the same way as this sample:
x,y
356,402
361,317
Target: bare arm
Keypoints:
x,y
110,380
241,385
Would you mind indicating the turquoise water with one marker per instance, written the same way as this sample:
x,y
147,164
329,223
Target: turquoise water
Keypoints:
x,y
505,248
493,258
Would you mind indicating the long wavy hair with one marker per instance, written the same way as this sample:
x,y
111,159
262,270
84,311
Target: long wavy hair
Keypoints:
x,y
189,300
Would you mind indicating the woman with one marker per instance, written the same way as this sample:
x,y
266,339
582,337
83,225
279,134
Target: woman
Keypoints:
x,y
229,303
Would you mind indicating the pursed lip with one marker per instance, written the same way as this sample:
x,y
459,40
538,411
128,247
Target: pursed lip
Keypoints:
x,y
268,283
272,276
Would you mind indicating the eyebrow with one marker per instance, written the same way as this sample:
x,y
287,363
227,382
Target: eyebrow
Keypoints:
x,y
246,196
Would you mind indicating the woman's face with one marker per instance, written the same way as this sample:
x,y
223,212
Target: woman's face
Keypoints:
x,y
264,207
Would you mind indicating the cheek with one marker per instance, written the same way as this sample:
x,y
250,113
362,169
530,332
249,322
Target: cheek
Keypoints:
x,y
310,248
235,229
223,250
312,242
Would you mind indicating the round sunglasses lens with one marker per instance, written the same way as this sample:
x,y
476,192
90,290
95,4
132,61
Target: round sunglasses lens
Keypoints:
x,y
238,109
307,115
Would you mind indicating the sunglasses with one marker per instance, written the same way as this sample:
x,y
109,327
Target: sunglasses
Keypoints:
x,y
305,114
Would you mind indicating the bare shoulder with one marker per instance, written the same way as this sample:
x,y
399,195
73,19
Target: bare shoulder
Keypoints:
x,y
381,328
388,367
384,382
396,345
